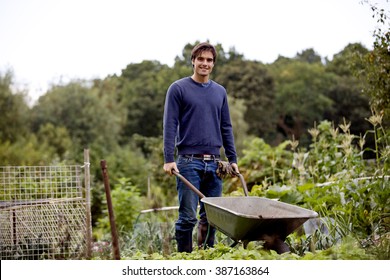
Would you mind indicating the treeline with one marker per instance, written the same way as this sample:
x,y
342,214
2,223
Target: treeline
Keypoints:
x,y
119,118
274,101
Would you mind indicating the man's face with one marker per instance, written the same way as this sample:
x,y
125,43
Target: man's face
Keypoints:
x,y
203,64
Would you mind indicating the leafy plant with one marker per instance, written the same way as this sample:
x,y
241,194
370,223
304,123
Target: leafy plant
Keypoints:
x,y
126,201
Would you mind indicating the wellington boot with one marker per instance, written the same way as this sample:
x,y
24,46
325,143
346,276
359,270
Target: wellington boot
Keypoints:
x,y
205,235
184,241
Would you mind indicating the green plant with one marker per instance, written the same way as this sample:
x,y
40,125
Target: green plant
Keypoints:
x,y
127,202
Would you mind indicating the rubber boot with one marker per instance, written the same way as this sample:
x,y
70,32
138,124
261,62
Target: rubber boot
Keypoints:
x,y
184,241
204,233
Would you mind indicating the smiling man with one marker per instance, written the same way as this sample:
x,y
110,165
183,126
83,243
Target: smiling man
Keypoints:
x,y
197,124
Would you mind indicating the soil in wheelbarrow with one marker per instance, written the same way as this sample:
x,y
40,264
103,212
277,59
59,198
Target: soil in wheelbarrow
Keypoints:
x,y
248,219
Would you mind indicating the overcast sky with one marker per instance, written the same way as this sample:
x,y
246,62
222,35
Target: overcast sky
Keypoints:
x,y
44,41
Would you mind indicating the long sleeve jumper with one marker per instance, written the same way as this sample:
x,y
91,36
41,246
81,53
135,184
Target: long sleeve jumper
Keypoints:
x,y
197,120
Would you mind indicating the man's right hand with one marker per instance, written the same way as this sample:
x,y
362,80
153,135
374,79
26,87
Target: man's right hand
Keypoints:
x,y
169,166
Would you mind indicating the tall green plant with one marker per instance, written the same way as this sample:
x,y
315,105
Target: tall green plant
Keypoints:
x,y
127,203
334,179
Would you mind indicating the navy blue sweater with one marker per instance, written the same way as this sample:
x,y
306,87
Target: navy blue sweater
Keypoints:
x,y
197,120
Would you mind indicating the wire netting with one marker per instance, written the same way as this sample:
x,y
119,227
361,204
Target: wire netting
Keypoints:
x,y
42,212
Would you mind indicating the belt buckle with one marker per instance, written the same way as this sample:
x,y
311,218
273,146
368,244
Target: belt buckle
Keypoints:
x,y
208,157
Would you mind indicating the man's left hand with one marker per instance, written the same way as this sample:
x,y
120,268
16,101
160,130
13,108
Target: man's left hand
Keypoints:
x,y
235,167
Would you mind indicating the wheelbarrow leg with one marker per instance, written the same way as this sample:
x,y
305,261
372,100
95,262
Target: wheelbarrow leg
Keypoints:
x,y
244,243
274,242
281,247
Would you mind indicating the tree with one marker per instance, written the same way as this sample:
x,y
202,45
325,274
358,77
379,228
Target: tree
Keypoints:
x,y
346,63
240,126
301,96
377,64
142,93
250,82
55,137
26,150
14,121
309,56
78,109
346,91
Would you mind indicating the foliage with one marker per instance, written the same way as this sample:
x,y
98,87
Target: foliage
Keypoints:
x,y
301,95
250,82
346,90
27,151
126,201
80,111
14,121
348,250
377,62
56,137
241,128
262,163
142,92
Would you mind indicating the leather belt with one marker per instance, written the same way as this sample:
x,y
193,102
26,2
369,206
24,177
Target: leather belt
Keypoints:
x,y
203,157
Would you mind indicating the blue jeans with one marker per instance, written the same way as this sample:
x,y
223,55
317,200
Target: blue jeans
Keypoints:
x,y
203,176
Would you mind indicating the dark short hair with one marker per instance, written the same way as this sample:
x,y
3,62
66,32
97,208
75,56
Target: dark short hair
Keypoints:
x,y
201,47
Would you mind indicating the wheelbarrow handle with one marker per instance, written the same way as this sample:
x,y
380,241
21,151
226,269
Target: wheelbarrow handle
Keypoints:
x,y
188,184
242,182
201,195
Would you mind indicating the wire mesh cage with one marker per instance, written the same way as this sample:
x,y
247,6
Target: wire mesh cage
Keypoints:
x,y
43,212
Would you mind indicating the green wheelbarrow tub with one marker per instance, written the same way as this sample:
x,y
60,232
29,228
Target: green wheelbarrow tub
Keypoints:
x,y
254,218
251,218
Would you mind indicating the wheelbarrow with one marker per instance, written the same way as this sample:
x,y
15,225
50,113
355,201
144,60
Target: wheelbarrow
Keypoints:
x,y
251,218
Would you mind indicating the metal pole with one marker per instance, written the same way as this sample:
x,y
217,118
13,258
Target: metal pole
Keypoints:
x,y
88,203
115,243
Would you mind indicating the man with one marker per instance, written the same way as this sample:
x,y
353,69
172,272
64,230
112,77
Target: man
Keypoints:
x,y
197,123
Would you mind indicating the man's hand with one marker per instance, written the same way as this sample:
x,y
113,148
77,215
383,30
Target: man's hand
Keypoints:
x,y
235,167
169,166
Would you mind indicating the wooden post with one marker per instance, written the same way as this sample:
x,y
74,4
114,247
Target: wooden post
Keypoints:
x,y
14,231
88,203
115,243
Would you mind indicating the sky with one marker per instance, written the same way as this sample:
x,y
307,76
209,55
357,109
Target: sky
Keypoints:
x,y
45,42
